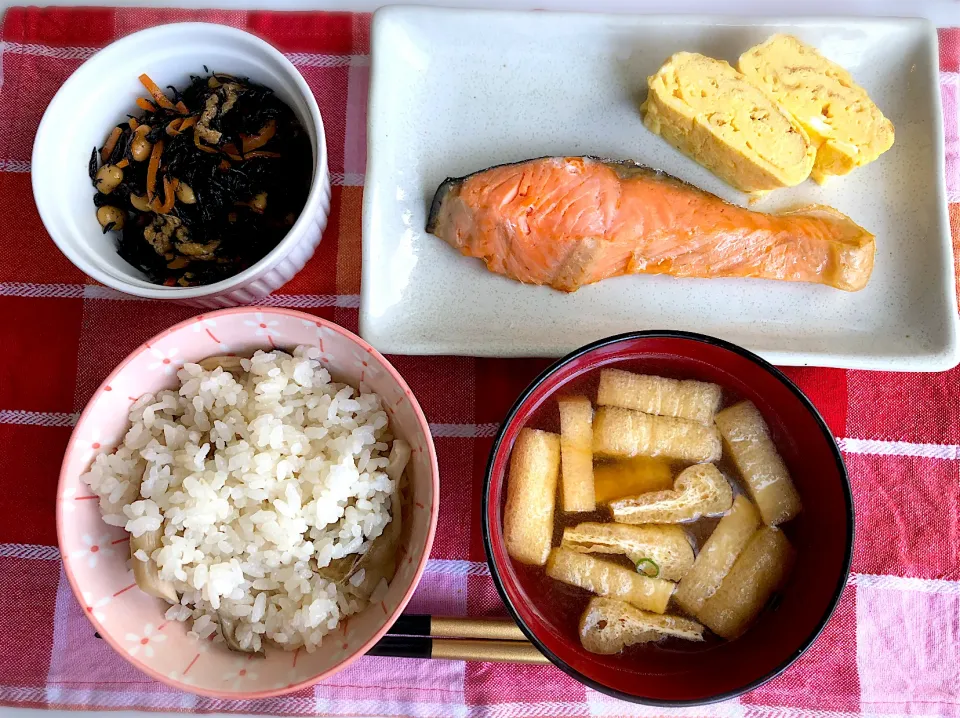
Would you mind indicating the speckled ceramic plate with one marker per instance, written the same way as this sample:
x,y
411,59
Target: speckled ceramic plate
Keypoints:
x,y
455,91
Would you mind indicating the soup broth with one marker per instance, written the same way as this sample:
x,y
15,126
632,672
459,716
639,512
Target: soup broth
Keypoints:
x,y
562,604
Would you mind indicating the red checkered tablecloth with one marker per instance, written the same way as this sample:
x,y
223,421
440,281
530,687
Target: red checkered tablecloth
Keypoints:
x,y
893,646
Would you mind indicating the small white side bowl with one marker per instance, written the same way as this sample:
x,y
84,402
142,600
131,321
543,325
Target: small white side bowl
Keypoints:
x,y
103,91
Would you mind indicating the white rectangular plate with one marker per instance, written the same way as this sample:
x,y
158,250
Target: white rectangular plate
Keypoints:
x,y
456,91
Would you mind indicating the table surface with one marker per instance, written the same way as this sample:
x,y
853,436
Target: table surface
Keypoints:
x,y
943,13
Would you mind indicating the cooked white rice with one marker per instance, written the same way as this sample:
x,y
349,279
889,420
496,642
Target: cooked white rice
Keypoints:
x,y
256,485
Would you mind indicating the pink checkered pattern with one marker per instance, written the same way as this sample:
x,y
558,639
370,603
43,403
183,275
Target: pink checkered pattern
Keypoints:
x,y
893,647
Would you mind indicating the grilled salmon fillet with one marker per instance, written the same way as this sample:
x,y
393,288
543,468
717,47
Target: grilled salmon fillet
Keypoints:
x,y
569,221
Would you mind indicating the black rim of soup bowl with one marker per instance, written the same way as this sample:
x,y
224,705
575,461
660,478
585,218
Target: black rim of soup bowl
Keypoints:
x,y
487,529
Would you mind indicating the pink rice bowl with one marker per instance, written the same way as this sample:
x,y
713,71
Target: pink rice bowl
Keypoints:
x,y
95,554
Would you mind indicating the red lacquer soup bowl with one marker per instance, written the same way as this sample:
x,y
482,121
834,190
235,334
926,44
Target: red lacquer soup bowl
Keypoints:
x,y
670,673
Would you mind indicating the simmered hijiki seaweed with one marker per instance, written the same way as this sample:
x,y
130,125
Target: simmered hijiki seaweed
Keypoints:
x,y
204,182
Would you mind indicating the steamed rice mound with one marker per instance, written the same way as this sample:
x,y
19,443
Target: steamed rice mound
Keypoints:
x,y
258,485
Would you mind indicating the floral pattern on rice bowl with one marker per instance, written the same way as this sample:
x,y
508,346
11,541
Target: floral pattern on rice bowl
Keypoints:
x,y
133,622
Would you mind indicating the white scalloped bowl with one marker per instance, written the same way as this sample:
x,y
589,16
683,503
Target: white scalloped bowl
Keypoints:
x,y
95,554
101,93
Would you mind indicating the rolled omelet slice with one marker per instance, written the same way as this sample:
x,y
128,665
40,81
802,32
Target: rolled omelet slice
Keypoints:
x,y
711,113
848,129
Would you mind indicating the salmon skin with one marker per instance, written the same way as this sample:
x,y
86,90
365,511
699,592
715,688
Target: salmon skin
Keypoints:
x,y
565,222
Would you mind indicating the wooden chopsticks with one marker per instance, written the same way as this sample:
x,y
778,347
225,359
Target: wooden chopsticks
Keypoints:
x,y
457,639
490,629
458,649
